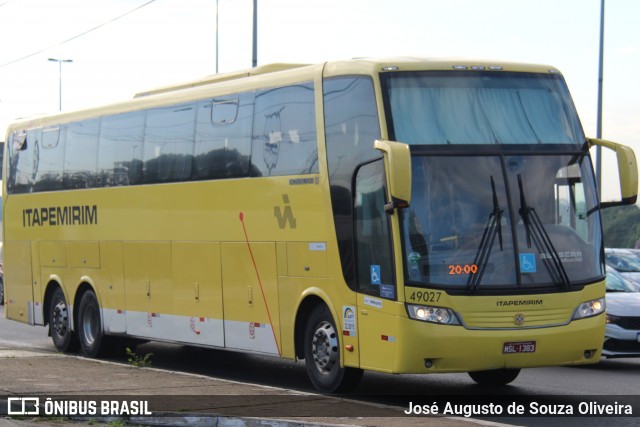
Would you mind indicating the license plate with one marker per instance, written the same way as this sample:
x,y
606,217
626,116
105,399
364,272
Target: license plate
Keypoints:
x,y
519,347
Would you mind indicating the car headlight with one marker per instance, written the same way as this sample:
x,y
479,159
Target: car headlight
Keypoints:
x,y
589,309
613,320
440,315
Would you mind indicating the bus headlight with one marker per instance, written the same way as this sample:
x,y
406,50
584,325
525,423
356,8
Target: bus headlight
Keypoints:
x,y
589,309
440,315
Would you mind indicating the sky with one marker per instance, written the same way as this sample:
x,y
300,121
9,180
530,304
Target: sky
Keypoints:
x,y
120,47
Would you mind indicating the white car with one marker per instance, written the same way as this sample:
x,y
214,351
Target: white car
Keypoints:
x,y
626,262
622,335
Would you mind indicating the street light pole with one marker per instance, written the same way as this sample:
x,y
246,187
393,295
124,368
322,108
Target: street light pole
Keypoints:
x,y
599,118
60,61
217,7
254,60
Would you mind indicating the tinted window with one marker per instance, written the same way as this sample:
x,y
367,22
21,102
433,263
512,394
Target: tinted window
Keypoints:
x,y
351,127
81,154
48,176
375,267
168,144
120,153
284,131
484,107
223,137
21,161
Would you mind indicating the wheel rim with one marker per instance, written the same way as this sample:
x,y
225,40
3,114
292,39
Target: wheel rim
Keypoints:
x,y
90,324
60,318
324,347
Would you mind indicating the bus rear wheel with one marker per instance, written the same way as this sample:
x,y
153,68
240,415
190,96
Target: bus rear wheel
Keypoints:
x,y
495,377
90,325
322,354
64,339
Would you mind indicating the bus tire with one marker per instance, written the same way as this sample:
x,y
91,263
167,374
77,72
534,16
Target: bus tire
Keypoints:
x,y
90,325
495,377
64,339
322,354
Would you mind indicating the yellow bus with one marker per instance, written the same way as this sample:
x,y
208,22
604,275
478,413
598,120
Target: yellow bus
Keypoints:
x,y
398,215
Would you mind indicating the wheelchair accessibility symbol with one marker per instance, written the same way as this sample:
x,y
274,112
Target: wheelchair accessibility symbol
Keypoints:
x,y
375,274
527,263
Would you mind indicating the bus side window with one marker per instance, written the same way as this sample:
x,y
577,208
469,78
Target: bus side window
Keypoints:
x,y
20,173
48,177
120,152
169,143
223,137
373,241
284,131
351,126
571,201
81,154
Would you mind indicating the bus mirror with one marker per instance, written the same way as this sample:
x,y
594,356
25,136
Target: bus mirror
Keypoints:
x,y
397,161
627,170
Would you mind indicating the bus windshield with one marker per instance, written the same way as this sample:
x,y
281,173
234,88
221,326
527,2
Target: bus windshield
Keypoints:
x,y
507,221
484,107
503,195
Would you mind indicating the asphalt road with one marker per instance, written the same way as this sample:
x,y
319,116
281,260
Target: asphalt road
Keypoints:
x,y
597,383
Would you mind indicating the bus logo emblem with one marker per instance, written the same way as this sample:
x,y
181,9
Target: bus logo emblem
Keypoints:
x,y
519,319
284,217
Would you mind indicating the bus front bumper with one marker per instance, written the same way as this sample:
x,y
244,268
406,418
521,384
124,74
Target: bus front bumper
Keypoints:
x,y
431,348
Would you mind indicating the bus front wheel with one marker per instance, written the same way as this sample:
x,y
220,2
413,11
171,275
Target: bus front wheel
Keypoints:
x,y
64,339
90,325
495,377
322,354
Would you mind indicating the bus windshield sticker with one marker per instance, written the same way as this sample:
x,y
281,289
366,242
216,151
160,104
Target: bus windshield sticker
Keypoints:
x,y
375,274
527,263
349,320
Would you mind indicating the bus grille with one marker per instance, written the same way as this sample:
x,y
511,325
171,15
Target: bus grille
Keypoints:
x,y
512,319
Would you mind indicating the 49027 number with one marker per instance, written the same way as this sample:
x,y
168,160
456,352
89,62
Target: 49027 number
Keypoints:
x,y
425,296
457,269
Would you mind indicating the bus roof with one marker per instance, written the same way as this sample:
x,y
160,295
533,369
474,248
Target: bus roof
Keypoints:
x,y
274,75
218,78
359,66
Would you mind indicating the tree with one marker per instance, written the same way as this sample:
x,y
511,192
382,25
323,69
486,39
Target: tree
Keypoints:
x,y
621,225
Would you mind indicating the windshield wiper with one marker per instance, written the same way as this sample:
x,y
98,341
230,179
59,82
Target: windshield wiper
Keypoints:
x,y
493,227
535,231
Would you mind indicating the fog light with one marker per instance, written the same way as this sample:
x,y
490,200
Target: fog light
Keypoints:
x,y
588,354
428,363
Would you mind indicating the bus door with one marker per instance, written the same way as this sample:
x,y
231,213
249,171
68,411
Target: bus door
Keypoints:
x,y
377,292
